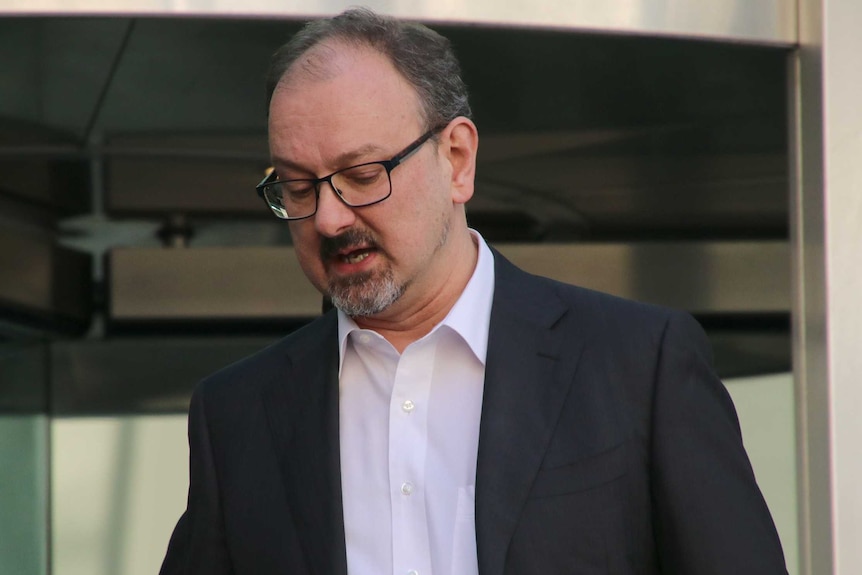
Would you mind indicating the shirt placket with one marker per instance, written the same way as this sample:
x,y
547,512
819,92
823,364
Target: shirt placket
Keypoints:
x,y
408,437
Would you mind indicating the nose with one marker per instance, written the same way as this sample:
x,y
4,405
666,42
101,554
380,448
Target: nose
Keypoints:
x,y
333,216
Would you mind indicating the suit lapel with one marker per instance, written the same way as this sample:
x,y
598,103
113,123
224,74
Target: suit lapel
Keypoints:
x,y
526,383
301,405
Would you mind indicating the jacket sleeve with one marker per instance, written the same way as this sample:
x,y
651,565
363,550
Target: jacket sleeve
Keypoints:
x,y
198,544
709,515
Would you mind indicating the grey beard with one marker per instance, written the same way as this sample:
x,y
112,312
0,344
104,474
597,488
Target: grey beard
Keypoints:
x,y
365,294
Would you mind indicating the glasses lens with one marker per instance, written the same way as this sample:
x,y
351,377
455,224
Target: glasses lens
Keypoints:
x,y
292,199
362,185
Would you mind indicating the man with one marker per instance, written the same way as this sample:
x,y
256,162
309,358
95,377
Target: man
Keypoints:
x,y
455,415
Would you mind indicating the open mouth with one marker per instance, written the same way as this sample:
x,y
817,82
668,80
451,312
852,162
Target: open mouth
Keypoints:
x,y
356,256
351,248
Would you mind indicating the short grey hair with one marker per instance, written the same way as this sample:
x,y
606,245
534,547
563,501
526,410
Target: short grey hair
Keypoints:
x,y
423,57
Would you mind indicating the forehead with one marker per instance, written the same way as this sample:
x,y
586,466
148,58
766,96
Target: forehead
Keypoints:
x,y
342,89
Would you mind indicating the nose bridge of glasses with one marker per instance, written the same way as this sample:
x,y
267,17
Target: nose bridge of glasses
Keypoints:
x,y
332,213
328,180
318,187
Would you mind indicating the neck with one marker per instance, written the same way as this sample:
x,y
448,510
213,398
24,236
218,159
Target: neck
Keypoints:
x,y
414,316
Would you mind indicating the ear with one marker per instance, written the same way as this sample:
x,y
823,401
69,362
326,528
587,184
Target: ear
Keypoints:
x,y
461,144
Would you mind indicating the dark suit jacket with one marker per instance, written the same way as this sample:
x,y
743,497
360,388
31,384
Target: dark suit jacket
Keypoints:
x,y
607,446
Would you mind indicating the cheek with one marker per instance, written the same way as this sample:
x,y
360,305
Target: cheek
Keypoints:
x,y
424,198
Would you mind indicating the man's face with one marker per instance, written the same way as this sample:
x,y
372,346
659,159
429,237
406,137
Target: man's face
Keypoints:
x,y
356,108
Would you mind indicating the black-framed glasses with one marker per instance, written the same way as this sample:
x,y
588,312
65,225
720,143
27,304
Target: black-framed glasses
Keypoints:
x,y
356,186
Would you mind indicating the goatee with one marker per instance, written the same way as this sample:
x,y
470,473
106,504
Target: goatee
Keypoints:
x,y
361,294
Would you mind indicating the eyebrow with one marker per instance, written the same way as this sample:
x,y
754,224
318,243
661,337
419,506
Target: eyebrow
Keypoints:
x,y
343,160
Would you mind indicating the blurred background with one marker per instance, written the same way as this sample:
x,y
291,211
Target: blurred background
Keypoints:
x,y
647,148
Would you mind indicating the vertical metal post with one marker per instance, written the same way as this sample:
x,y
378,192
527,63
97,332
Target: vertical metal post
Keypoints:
x,y
842,113
827,245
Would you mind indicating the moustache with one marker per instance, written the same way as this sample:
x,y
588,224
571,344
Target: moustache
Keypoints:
x,y
330,247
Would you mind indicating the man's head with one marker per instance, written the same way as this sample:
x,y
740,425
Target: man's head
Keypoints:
x,y
423,57
343,118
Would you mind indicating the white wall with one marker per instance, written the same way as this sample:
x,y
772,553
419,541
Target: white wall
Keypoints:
x,y
767,409
118,487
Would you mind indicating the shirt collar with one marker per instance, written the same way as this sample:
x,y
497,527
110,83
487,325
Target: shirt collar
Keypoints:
x,y
470,317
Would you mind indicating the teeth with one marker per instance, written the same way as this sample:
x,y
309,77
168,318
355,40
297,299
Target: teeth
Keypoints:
x,y
355,257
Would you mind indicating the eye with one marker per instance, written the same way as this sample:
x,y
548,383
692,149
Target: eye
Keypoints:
x,y
363,176
296,190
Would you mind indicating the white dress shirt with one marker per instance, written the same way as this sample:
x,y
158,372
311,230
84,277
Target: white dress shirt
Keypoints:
x,y
409,431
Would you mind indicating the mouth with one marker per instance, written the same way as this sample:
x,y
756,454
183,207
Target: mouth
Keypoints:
x,y
349,249
355,256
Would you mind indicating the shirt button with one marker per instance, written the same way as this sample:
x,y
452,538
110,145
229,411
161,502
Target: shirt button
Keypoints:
x,y
364,338
407,489
413,572
408,406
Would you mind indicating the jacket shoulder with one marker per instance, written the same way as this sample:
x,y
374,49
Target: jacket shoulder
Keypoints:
x,y
590,308
254,371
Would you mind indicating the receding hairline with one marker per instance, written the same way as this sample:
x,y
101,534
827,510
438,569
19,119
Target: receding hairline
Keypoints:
x,y
319,59
320,63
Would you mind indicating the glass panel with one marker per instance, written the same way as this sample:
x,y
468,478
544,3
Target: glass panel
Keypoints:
x,y
23,461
